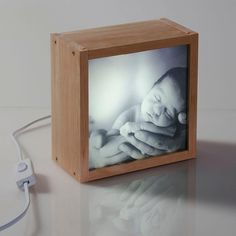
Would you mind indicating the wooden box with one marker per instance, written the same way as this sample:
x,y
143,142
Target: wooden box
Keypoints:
x,y
124,98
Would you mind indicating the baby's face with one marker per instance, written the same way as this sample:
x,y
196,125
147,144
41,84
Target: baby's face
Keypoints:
x,y
163,103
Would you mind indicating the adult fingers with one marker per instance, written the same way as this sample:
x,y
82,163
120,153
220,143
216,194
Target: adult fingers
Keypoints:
x,y
147,126
97,138
116,159
158,152
131,151
154,140
143,147
111,147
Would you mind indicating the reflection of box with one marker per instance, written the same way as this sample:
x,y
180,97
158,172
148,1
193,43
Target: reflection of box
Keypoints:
x,y
71,53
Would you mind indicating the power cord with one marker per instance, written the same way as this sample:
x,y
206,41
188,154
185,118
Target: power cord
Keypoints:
x,y
20,215
18,131
25,176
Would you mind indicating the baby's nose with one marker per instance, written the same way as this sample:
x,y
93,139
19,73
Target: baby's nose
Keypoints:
x,y
159,109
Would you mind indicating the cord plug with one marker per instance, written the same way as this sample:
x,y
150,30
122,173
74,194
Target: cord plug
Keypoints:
x,y
25,174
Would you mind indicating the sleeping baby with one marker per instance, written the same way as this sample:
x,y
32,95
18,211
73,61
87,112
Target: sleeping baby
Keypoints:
x,y
155,126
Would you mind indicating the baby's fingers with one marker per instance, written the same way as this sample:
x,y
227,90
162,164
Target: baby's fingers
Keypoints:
x,y
132,127
154,140
143,147
147,126
128,128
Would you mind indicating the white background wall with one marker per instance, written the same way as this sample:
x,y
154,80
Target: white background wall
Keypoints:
x,y
25,27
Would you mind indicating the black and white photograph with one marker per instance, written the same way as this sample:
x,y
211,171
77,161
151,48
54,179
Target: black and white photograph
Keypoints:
x,y
137,106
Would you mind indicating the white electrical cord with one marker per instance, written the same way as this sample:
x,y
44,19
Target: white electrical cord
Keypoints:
x,y
16,132
25,177
20,215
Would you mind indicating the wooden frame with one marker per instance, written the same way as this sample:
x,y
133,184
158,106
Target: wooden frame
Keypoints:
x,y
70,53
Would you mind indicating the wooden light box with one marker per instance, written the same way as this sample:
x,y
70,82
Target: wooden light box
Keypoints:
x,y
124,98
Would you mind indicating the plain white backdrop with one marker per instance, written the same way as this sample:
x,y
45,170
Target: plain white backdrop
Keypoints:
x,y
25,27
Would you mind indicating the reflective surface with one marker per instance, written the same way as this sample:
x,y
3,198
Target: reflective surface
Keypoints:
x,y
141,205
196,197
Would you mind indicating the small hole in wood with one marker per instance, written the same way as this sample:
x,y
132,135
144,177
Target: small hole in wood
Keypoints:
x,y
56,159
73,53
55,42
73,173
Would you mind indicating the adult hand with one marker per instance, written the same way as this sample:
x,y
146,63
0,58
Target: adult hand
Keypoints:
x,y
103,148
150,140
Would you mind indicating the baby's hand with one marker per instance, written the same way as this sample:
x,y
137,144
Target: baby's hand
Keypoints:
x,y
130,128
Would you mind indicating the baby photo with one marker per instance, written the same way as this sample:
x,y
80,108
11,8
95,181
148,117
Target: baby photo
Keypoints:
x,y
137,106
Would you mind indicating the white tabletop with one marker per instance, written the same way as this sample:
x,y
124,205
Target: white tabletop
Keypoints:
x,y
196,197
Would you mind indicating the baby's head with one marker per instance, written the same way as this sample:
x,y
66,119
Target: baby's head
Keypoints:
x,y
166,99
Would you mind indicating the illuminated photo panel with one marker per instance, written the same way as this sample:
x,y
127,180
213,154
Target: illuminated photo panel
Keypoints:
x,y
137,106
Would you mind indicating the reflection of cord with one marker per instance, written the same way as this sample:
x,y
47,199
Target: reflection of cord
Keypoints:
x,y
25,174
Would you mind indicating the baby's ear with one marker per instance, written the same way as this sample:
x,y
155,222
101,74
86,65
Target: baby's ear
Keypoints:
x,y
182,117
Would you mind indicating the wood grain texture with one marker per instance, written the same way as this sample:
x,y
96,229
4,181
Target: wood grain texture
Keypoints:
x,y
127,38
192,94
66,104
70,55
